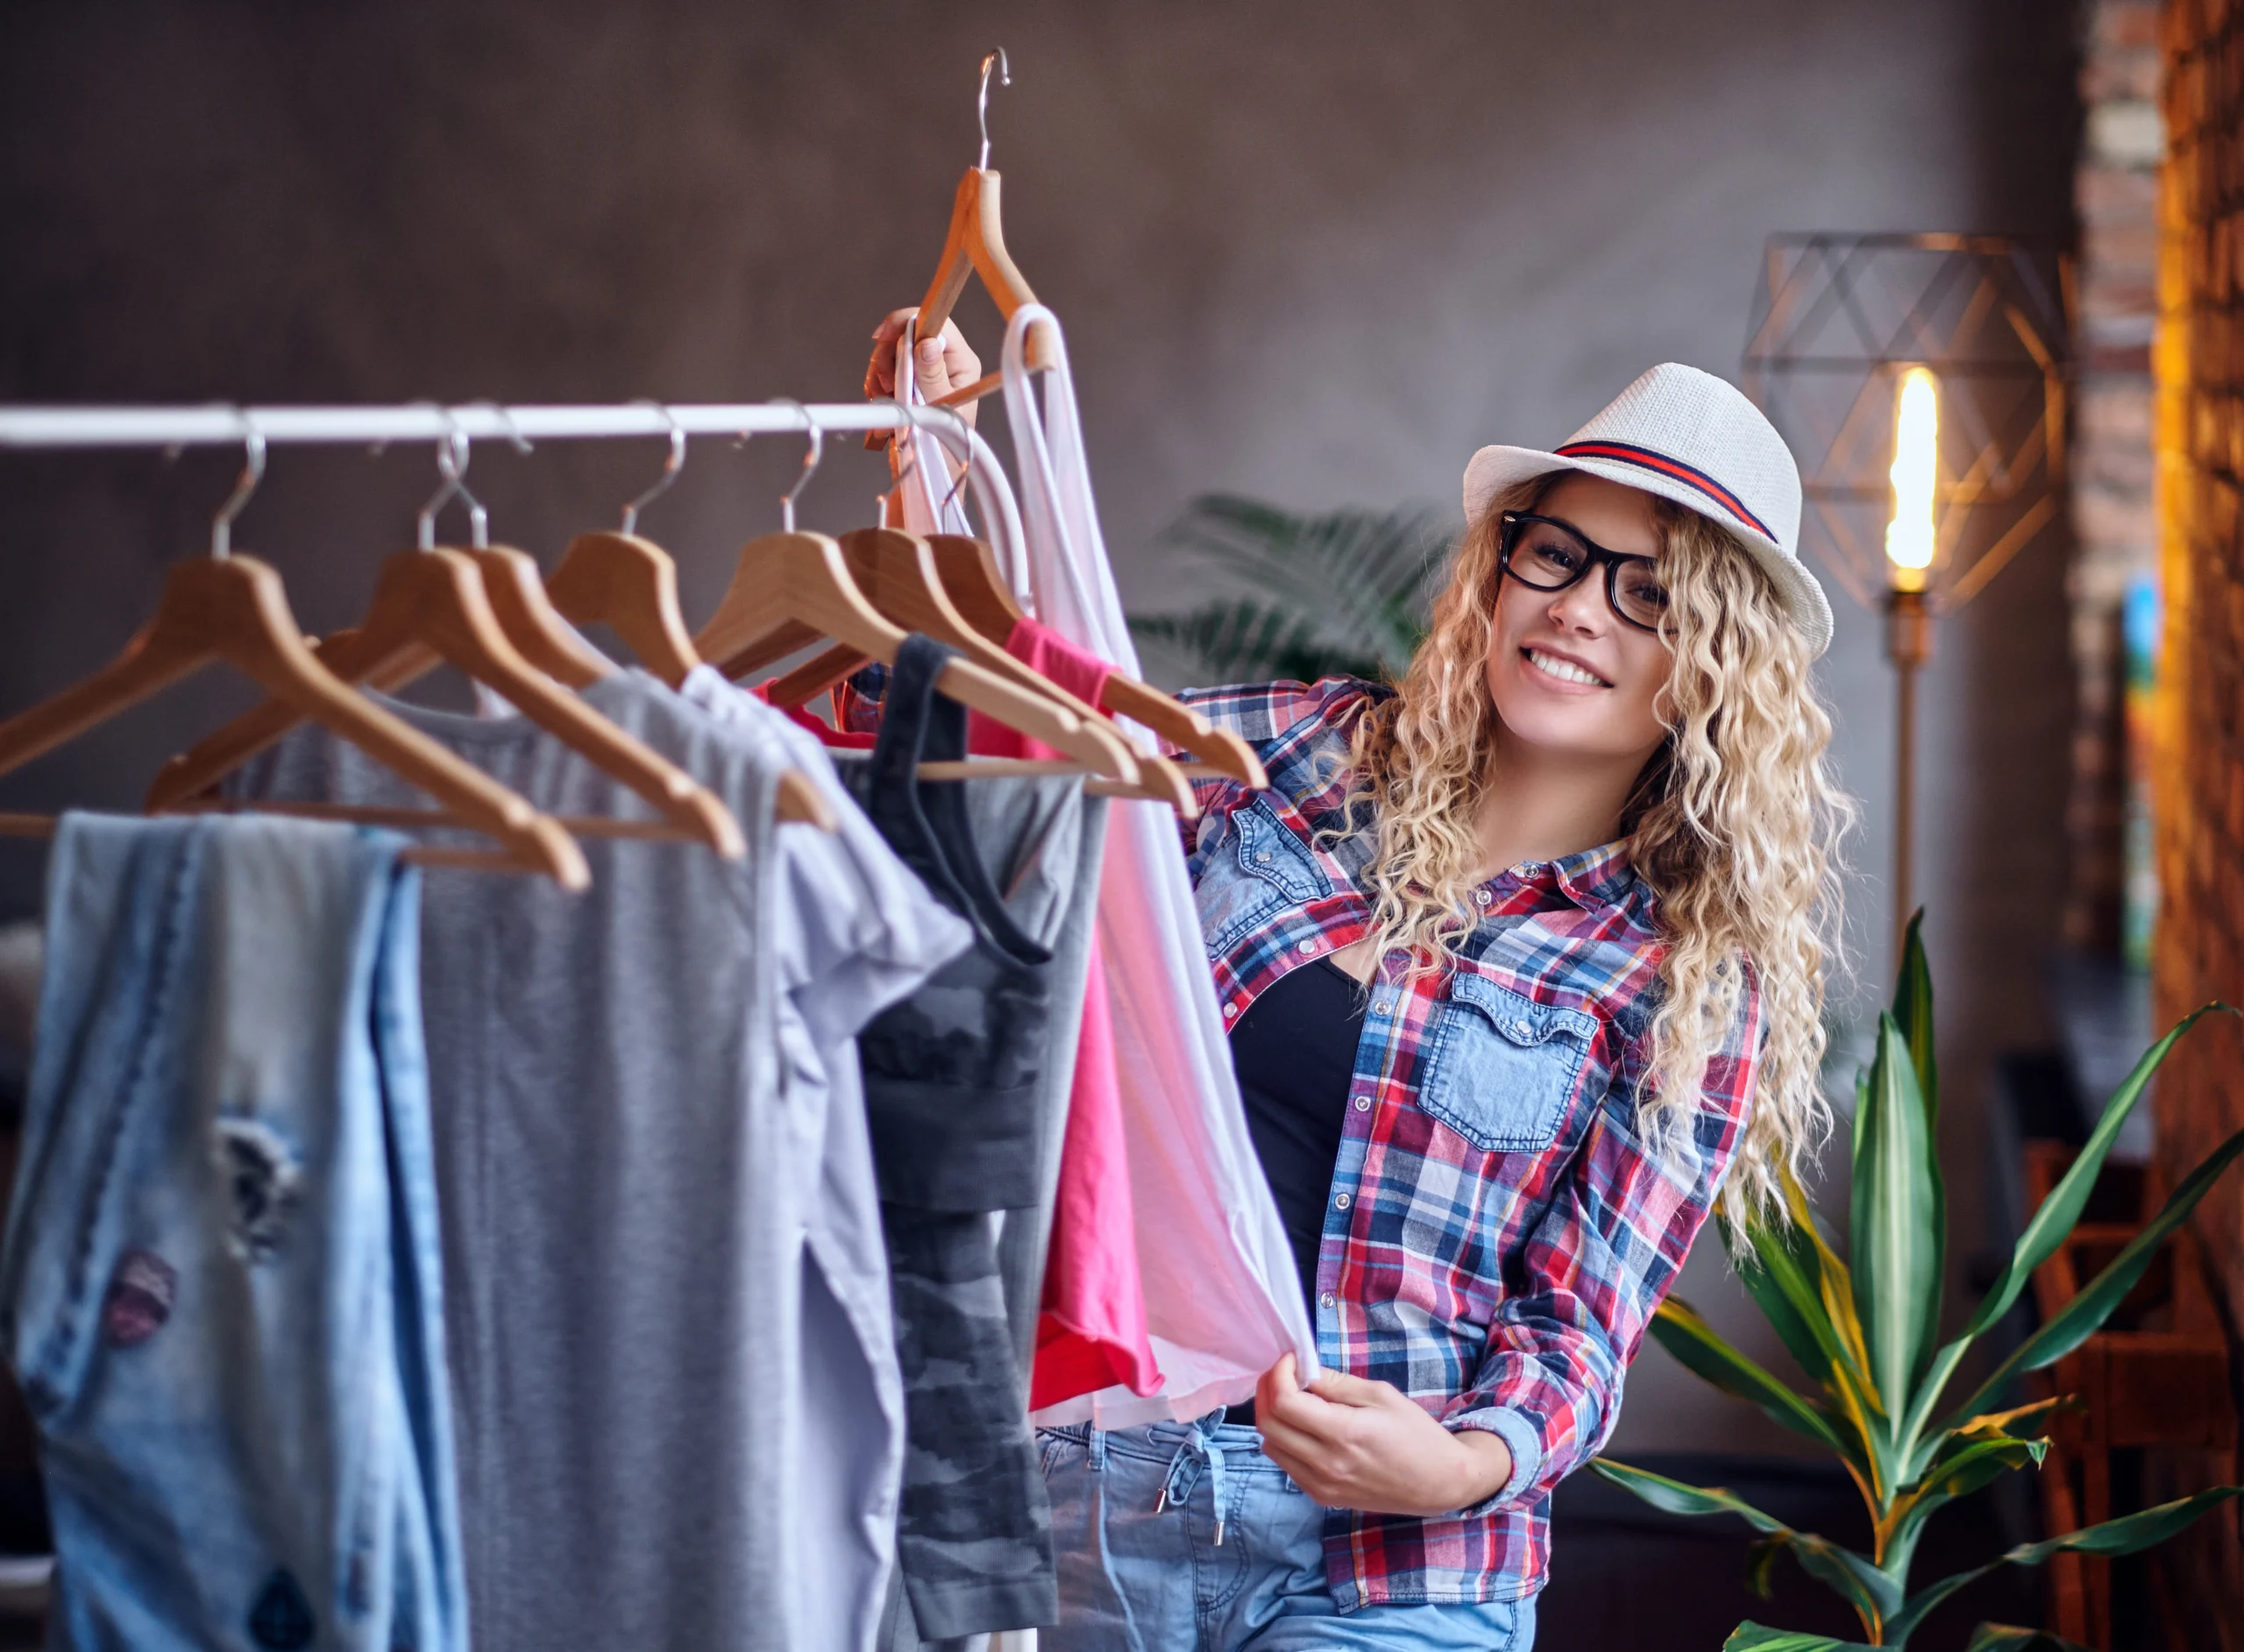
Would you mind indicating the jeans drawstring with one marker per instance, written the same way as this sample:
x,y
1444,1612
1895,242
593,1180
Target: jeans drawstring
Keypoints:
x,y
1176,1486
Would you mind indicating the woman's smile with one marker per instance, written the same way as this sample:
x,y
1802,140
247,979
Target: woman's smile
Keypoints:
x,y
1564,669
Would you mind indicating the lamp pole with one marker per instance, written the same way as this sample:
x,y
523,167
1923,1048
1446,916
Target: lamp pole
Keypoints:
x,y
1911,542
1908,645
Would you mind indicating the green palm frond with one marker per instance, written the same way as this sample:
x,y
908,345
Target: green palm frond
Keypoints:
x,y
1343,593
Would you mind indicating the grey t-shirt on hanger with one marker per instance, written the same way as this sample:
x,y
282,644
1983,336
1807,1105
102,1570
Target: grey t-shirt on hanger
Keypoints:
x,y
635,1159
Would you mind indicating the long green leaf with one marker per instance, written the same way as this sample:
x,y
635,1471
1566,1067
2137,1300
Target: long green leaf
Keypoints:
x,y
1833,1283
1938,1449
2003,1637
1749,1636
1896,1265
1870,1592
2128,1535
1913,1012
1684,1332
1674,1497
1979,1463
1777,1267
1959,1474
1986,1426
2055,1218
1913,1015
2078,1320
1853,1396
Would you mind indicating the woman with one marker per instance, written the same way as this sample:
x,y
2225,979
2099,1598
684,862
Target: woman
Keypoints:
x,y
1523,963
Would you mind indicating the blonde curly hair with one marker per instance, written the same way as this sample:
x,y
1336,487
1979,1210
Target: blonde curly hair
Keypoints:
x,y
1734,823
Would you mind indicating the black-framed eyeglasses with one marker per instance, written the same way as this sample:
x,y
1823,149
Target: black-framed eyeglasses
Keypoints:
x,y
1550,555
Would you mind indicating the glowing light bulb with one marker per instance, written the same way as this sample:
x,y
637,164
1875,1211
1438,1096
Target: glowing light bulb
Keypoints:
x,y
1916,449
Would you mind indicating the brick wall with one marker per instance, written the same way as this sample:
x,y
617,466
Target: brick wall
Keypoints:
x,y
2197,758
2116,196
2198,765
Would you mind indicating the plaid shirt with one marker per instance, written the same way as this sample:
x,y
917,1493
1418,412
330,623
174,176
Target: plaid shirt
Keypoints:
x,y
1497,1237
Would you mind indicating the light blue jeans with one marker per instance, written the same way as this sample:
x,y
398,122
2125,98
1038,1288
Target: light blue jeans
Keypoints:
x,y
219,1284
1184,1538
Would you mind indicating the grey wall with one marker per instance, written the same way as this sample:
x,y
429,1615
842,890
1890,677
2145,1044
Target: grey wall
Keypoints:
x,y
1310,251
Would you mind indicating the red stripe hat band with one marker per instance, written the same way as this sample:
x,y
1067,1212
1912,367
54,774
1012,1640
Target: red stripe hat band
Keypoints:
x,y
1627,454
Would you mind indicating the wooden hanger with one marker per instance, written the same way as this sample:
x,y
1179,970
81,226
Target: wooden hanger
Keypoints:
x,y
525,612
979,592
974,245
233,609
804,577
897,573
629,584
535,625
433,604
791,636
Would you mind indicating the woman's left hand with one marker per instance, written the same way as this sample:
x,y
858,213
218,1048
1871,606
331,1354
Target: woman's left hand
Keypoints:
x,y
1351,1443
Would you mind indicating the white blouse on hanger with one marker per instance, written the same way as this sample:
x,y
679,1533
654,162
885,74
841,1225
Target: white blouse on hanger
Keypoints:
x,y
1221,1297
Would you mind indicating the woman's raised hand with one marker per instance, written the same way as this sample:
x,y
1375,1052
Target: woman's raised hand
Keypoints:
x,y
940,365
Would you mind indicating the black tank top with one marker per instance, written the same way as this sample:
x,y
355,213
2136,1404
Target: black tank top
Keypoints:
x,y
1295,1052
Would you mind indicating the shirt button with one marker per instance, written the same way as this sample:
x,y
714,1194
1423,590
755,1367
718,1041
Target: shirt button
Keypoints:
x,y
1339,1202
1521,1028
1263,857
1309,945
1327,1301
1383,1006
1231,1012
1363,1104
1480,897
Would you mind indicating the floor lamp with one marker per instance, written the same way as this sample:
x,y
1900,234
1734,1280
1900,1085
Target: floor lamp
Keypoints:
x,y
1920,381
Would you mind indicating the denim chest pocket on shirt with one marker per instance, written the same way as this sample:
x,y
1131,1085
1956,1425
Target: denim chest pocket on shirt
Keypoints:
x,y
1266,870
1503,1068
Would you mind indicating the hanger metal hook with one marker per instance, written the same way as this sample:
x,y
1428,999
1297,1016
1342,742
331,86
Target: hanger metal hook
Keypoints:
x,y
515,439
902,433
965,434
452,455
962,430
995,55
811,459
671,466
966,469
221,525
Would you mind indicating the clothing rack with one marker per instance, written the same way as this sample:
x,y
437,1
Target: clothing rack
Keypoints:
x,y
224,424
218,424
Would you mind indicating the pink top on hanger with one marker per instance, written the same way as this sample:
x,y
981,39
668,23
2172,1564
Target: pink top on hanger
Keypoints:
x,y
1091,1332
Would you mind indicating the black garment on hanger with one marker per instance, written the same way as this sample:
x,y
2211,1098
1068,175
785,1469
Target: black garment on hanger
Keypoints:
x,y
952,1072
952,1078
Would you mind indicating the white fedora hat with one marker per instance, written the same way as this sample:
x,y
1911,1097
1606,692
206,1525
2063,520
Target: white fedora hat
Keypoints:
x,y
1688,437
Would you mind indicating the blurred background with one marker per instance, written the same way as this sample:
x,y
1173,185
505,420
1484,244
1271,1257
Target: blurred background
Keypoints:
x,y
1311,253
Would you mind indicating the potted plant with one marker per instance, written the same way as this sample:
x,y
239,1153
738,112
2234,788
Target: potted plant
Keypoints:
x,y
1865,1330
